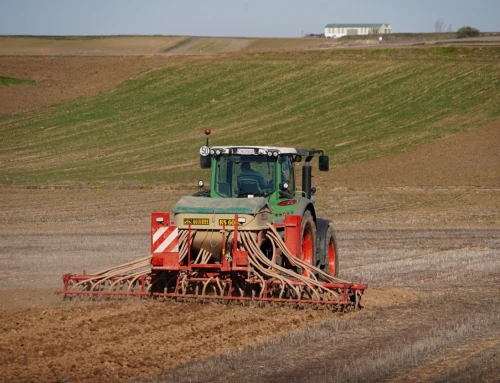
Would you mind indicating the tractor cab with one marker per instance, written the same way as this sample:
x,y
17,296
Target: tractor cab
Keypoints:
x,y
257,171
248,172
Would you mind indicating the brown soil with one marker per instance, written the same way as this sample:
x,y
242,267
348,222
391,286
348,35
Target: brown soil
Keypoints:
x,y
61,79
371,347
416,241
122,45
46,339
467,159
117,341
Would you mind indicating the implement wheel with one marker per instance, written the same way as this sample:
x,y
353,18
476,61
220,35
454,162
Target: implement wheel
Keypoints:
x,y
308,239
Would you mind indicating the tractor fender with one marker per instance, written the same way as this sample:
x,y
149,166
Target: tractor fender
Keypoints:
x,y
322,230
304,205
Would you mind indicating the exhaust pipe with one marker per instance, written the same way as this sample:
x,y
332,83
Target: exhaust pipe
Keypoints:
x,y
306,177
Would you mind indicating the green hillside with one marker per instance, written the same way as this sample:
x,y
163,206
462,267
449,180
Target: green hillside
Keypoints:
x,y
357,107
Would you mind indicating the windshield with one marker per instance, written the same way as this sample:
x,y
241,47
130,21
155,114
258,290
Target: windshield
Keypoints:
x,y
245,175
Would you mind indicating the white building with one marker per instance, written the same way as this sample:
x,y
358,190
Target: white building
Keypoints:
x,y
339,30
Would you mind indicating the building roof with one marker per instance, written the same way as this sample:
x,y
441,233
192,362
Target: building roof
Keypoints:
x,y
355,25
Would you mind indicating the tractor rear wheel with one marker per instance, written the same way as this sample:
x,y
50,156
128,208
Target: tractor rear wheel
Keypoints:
x,y
330,251
308,239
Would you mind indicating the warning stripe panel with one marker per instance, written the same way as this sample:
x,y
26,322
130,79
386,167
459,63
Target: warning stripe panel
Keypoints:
x,y
159,233
167,240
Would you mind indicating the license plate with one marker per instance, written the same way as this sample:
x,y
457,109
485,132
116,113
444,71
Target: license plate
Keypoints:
x,y
226,222
196,221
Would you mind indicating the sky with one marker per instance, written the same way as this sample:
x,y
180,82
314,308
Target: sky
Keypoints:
x,y
250,18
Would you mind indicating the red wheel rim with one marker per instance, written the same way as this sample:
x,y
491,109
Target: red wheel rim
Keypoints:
x,y
331,258
307,246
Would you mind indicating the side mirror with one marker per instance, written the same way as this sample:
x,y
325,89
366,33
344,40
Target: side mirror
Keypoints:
x,y
205,162
324,163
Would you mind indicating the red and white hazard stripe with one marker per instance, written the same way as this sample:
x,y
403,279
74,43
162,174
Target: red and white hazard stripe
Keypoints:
x,y
166,240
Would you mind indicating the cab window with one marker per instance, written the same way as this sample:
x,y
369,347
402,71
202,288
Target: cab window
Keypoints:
x,y
244,175
287,172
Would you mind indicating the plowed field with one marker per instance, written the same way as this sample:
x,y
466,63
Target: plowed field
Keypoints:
x,y
424,293
422,228
118,341
430,254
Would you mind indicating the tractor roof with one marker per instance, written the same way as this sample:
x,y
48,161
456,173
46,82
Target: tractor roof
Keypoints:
x,y
259,150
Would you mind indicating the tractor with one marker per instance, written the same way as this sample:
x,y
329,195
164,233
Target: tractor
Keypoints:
x,y
252,236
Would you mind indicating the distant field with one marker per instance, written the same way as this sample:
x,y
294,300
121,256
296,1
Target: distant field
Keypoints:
x,y
85,45
357,106
201,45
146,45
138,45
270,44
226,44
212,45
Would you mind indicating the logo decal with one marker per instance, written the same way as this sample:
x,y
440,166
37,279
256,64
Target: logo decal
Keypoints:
x,y
196,221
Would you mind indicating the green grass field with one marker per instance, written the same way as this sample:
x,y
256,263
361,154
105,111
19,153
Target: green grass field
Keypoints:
x,y
357,106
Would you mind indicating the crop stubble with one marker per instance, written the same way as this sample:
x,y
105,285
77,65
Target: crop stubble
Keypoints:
x,y
430,290
429,253
420,276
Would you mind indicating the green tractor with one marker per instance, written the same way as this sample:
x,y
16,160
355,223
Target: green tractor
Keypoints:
x,y
265,177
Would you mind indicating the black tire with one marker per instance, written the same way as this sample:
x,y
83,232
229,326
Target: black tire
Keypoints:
x,y
328,253
308,242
